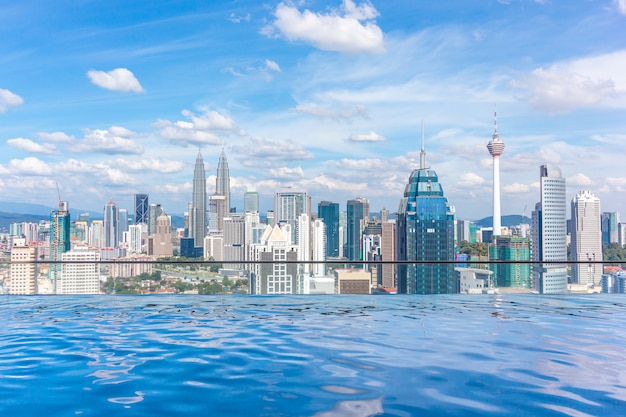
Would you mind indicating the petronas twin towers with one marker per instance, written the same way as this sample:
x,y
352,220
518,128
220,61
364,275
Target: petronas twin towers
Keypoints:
x,y
198,208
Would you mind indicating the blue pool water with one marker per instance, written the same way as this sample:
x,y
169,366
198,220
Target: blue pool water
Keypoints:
x,y
313,356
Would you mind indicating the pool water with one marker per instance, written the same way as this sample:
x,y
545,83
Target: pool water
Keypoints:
x,y
320,356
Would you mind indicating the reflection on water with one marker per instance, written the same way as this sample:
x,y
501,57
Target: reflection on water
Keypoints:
x,y
315,356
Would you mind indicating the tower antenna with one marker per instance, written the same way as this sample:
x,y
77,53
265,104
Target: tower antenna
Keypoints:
x,y
423,152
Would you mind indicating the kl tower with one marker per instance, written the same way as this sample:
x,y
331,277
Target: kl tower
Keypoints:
x,y
496,147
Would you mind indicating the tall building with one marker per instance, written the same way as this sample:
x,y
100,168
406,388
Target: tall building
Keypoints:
x,y
510,248
197,214
251,200
59,241
496,147
217,213
425,233
141,208
23,267
96,234
388,254
155,211
549,234
222,181
134,238
82,277
586,243
358,213
329,213
304,243
123,221
272,276
111,225
610,234
318,246
160,243
234,240
288,206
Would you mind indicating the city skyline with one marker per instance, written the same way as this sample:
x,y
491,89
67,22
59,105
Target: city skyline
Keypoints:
x,y
138,89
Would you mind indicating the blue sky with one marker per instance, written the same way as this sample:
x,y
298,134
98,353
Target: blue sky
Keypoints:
x,y
113,98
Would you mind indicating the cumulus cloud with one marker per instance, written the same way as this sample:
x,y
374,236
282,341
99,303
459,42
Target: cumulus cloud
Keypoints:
x,y
55,137
30,146
9,99
515,188
198,129
470,179
580,179
351,29
286,173
30,166
272,65
119,79
621,6
586,82
339,185
273,150
162,166
366,137
346,113
116,140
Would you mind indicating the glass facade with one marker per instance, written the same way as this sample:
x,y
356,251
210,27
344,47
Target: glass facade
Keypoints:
x,y
329,213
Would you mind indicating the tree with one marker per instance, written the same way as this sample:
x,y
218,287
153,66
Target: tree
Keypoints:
x,y
210,288
226,282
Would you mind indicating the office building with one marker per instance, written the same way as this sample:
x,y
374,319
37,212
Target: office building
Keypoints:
x,y
318,246
160,243
217,212
610,233
388,254
510,249
274,277
328,212
586,240
549,234
234,241
222,181
358,214
111,225
496,147
154,211
251,200
197,213
59,241
304,244
24,270
141,208
425,233
82,277
353,281
288,206
123,221
96,234
134,238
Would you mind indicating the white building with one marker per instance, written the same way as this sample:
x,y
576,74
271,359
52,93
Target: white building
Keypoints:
x,y
586,242
134,238
23,268
272,276
318,244
288,206
303,232
549,234
83,277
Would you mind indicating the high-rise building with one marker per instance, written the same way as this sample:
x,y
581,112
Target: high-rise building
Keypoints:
x,y
549,234
511,249
160,243
251,200
23,267
123,221
288,206
222,181
318,245
111,225
388,254
141,208
155,211
59,241
358,214
217,213
304,244
329,213
96,234
82,277
425,233
234,241
197,215
496,147
586,243
610,234
134,238
272,276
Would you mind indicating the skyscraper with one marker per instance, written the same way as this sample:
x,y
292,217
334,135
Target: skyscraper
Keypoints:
x,y
549,233
251,200
197,215
155,211
586,243
425,233
141,208
222,181
496,147
510,248
329,213
288,206
358,213
59,241
111,225
610,234
123,221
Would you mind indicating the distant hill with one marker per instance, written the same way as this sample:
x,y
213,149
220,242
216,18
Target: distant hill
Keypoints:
x,y
508,220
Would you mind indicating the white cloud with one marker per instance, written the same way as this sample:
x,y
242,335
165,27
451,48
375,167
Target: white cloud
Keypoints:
x,y
621,6
286,173
178,188
515,188
470,179
271,65
366,137
586,82
119,79
238,19
116,140
162,166
55,137
201,130
273,150
580,179
30,146
9,99
30,166
347,113
349,30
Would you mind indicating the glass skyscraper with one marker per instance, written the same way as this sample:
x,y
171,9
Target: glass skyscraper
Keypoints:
x,y
425,233
329,213
141,208
197,215
358,214
59,241
222,181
